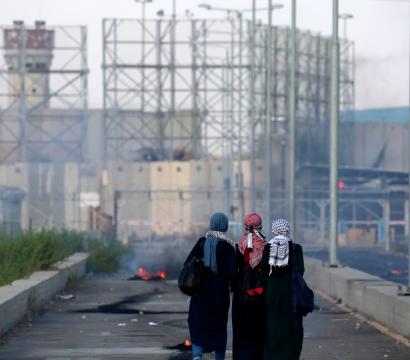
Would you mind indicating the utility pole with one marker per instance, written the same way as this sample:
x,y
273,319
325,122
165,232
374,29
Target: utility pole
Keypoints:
x,y
268,139
334,125
173,117
292,123
240,115
252,192
407,291
408,202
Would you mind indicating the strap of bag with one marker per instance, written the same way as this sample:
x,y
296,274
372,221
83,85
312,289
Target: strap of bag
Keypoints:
x,y
294,265
199,253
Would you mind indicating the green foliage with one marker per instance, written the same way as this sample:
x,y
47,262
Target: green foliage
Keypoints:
x,y
105,254
26,252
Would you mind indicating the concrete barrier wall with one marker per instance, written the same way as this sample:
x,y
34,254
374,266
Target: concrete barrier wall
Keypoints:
x,y
26,295
368,294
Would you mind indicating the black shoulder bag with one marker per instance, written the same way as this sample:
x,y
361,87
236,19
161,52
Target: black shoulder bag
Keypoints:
x,y
189,279
303,298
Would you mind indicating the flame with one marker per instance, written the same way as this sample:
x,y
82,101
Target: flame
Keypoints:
x,y
187,342
162,275
143,274
146,275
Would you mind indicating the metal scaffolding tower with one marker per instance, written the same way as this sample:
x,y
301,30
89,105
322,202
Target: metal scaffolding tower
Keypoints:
x,y
43,92
209,100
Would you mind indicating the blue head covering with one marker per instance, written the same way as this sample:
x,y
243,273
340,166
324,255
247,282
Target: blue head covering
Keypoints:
x,y
219,223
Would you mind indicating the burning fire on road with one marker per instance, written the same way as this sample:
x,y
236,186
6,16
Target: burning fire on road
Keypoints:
x,y
186,345
145,275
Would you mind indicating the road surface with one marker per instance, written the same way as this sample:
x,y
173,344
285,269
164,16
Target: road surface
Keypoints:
x,y
119,319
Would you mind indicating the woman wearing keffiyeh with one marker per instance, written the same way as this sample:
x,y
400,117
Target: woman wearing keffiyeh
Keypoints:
x,y
284,336
248,306
208,311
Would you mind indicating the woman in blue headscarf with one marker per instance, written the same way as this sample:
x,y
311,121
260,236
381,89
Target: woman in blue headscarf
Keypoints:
x,y
208,311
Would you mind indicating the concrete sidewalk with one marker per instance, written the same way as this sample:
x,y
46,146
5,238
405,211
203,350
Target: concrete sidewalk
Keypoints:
x,y
113,319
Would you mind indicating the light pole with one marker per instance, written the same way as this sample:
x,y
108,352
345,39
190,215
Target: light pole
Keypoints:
x,y
334,130
408,198
173,99
143,4
268,125
252,165
292,123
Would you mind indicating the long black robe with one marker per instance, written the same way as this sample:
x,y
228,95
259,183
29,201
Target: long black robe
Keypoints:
x,y
248,315
208,311
284,338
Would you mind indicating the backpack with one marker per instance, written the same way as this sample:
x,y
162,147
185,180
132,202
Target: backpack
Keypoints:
x,y
303,298
189,279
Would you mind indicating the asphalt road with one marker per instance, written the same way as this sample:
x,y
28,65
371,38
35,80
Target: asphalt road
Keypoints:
x,y
116,319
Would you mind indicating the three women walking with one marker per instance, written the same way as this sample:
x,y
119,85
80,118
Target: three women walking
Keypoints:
x,y
266,325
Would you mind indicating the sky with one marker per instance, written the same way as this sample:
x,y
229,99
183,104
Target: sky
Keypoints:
x,y
380,30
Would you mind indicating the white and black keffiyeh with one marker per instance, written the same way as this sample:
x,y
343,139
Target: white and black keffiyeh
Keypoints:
x,y
279,245
220,236
280,227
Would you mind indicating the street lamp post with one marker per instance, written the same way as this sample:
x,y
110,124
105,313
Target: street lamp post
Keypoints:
x,y
252,165
173,74
334,125
269,116
292,123
408,198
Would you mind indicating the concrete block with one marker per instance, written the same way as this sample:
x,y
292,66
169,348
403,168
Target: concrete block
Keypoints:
x,y
26,295
368,294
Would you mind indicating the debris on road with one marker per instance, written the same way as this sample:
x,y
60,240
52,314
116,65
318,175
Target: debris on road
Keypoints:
x,y
65,296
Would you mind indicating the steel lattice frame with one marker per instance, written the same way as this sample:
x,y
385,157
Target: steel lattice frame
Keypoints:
x,y
204,67
156,73
53,126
